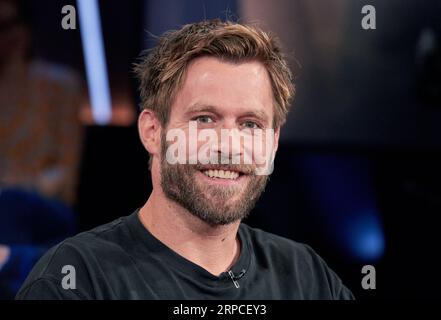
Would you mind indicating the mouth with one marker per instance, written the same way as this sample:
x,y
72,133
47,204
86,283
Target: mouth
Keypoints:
x,y
223,176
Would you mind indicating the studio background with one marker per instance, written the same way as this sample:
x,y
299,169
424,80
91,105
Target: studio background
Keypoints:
x,y
357,175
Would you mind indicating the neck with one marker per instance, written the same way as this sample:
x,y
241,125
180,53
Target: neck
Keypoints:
x,y
214,248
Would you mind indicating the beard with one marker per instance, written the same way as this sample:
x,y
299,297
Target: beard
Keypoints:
x,y
215,205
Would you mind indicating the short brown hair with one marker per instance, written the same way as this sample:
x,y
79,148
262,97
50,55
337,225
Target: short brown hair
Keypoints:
x,y
161,69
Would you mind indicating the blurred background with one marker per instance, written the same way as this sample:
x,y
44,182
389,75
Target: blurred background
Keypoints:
x,y
358,171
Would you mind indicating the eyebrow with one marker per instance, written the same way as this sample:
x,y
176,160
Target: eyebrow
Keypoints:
x,y
195,108
201,108
259,114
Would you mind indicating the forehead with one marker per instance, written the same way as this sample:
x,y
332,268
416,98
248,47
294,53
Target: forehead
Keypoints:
x,y
229,86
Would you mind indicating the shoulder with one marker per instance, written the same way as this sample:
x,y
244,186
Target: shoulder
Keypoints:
x,y
84,254
102,239
273,244
56,74
297,261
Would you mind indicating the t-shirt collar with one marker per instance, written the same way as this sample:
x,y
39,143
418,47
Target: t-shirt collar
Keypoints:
x,y
152,245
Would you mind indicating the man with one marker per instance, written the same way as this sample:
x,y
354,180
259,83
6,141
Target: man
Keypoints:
x,y
40,130
39,149
187,241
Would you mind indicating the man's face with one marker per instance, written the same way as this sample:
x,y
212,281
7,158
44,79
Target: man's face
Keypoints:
x,y
217,96
13,34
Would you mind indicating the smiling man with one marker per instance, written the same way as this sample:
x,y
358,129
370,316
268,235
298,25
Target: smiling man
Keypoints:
x,y
188,241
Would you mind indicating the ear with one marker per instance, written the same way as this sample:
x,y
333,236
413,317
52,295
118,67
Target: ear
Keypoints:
x,y
149,129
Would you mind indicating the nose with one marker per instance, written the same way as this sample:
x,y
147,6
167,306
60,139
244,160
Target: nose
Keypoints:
x,y
229,147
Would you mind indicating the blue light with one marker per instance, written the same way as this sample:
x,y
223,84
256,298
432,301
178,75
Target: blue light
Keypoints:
x,y
365,236
95,60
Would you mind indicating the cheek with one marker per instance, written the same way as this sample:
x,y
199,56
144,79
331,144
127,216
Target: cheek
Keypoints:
x,y
264,151
259,144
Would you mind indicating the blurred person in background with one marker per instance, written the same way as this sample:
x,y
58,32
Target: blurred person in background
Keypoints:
x,y
40,131
40,137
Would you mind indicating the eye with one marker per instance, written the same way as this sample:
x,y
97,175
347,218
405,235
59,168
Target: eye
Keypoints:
x,y
203,119
250,125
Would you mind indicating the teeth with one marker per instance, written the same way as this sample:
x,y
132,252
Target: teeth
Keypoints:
x,y
222,174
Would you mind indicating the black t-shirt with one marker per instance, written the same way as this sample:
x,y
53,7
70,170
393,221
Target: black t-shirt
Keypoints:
x,y
123,260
